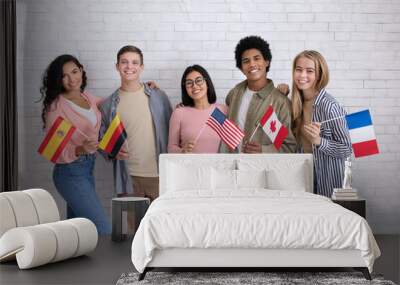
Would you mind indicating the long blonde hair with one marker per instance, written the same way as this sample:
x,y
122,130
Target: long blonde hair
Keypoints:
x,y
321,80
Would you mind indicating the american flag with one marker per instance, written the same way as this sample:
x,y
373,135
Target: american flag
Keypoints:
x,y
225,128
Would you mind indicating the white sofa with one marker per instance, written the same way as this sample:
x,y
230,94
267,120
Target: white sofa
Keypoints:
x,y
31,230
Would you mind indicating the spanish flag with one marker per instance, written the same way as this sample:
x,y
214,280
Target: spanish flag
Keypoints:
x,y
114,137
56,139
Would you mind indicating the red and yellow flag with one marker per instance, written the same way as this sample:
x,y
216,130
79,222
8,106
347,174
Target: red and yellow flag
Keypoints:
x,y
56,139
114,137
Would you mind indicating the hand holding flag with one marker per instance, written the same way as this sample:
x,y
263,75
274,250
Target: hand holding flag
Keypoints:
x,y
251,147
312,132
225,128
187,147
90,145
122,154
274,129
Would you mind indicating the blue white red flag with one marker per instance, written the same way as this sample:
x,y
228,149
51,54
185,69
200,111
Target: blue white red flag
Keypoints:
x,y
225,128
362,133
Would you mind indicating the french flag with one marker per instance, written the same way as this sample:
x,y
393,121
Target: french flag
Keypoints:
x,y
274,129
362,133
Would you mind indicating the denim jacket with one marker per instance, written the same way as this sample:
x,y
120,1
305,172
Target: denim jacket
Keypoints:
x,y
160,109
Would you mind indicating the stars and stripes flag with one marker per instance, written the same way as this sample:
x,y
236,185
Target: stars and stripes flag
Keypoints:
x,y
56,139
274,129
362,133
114,137
225,128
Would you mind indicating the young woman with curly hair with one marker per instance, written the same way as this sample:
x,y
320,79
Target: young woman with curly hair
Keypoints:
x,y
64,95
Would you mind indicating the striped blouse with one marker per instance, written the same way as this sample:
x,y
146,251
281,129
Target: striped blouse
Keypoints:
x,y
335,147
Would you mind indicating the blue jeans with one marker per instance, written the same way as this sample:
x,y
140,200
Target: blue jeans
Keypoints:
x,y
75,183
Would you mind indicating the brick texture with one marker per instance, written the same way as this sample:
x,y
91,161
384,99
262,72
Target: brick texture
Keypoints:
x,y
360,40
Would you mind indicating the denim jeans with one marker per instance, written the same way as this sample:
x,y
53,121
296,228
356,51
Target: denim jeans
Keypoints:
x,y
75,183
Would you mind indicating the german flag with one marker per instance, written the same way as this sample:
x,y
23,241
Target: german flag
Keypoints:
x,y
114,137
56,139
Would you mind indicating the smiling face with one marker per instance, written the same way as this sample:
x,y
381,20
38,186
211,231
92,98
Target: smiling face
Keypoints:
x,y
304,75
254,66
196,86
130,66
72,77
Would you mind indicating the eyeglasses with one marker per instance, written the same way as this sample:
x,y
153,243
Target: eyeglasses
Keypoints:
x,y
190,83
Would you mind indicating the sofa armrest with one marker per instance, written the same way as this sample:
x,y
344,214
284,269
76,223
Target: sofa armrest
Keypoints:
x,y
40,244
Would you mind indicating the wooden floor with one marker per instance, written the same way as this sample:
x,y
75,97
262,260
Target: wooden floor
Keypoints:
x,y
110,260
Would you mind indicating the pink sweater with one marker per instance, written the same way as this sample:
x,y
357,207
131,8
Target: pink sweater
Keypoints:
x,y
186,123
60,107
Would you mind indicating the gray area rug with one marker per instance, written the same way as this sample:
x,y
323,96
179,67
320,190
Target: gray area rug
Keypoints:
x,y
269,278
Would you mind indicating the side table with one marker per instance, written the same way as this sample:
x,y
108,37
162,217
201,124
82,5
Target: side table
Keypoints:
x,y
137,204
357,205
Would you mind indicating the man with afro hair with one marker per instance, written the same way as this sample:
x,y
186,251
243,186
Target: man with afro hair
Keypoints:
x,y
249,99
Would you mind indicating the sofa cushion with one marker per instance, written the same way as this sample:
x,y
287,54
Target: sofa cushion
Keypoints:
x,y
31,233
45,206
23,208
7,215
40,244
26,208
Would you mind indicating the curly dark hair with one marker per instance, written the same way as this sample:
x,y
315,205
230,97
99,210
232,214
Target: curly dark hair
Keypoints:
x,y
252,42
211,96
52,85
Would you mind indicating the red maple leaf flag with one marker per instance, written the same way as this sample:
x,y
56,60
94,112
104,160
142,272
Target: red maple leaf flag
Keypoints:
x,y
274,129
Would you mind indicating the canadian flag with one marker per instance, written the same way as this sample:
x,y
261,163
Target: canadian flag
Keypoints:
x,y
273,127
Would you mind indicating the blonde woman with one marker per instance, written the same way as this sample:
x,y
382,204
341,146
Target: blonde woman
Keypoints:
x,y
329,141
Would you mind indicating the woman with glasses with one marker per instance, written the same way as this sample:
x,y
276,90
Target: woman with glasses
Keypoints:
x,y
188,132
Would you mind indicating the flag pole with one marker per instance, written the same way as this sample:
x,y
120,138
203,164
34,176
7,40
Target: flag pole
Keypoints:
x,y
79,131
199,134
333,119
82,133
202,129
252,135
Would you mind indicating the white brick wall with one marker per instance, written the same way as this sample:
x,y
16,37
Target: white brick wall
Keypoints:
x,y
360,39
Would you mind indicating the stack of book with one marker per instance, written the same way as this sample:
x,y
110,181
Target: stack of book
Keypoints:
x,y
344,194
